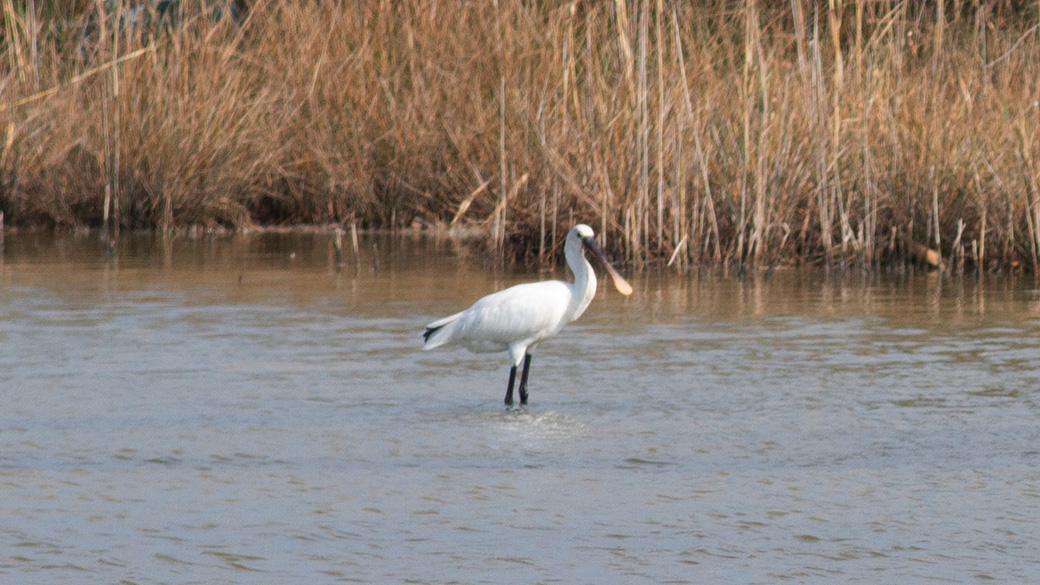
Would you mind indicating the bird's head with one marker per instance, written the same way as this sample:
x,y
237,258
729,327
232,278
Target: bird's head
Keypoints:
x,y
584,231
588,240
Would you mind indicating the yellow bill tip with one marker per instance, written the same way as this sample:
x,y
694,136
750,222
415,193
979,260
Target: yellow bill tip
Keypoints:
x,y
621,284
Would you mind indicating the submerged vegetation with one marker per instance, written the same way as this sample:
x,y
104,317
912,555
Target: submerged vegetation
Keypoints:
x,y
705,132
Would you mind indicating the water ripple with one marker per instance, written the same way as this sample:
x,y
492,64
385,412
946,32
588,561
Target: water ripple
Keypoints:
x,y
198,427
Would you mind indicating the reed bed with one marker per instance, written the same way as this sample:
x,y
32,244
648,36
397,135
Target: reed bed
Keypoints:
x,y
698,133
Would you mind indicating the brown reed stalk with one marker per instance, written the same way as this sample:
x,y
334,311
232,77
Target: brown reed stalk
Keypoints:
x,y
499,219
770,134
16,29
700,160
116,133
819,121
641,220
1029,141
662,107
870,199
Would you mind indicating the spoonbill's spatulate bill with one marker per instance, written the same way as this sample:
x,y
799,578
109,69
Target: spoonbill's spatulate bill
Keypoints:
x,y
518,318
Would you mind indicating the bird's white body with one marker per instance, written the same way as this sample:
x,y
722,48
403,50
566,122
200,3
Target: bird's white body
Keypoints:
x,y
516,319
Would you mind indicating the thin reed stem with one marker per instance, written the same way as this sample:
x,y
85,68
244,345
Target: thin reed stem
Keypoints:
x,y
702,133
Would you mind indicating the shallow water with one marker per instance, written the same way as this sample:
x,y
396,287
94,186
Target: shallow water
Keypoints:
x,y
237,410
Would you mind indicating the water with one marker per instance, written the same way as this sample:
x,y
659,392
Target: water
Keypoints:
x,y
235,410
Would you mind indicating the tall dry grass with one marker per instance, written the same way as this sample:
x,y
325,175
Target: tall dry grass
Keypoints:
x,y
744,133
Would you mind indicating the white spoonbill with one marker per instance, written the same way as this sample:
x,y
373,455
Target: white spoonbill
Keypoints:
x,y
518,318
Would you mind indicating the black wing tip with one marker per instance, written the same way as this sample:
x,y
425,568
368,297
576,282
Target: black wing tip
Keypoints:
x,y
430,331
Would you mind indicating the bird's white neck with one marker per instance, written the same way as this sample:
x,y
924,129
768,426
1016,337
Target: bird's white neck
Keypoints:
x,y
584,286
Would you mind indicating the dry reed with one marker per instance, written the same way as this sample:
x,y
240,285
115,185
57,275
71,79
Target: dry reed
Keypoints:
x,y
711,132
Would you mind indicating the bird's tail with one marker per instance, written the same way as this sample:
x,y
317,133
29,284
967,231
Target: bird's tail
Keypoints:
x,y
430,331
439,332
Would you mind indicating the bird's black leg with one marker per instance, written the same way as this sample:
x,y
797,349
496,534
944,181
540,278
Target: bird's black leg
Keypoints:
x,y
509,392
523,379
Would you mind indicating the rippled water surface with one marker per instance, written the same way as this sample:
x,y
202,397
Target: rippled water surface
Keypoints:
x,y
236,410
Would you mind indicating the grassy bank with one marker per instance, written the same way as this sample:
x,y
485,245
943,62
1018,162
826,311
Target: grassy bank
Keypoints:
x,y
697,132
